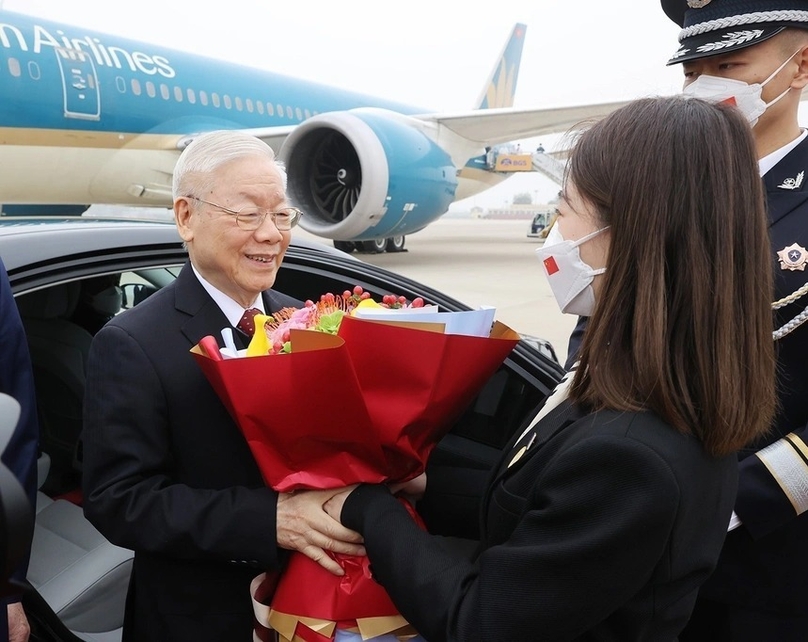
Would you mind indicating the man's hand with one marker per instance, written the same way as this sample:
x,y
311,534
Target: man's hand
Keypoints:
x,y
303,525
18,628
334,505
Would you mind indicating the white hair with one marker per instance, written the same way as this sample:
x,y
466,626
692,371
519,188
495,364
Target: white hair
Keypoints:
x,y
199,161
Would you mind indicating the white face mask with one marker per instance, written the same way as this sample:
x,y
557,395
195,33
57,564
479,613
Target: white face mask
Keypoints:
x,y
745,96
569,277
108,301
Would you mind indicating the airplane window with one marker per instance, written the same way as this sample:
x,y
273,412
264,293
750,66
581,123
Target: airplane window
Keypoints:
x,y
33,70
214,98
270,110
259,106
308,113
288,111
299,113
164,91
14,67
239,104
279,110
120,83
249,104
227,102
178,94
203,97
150,89
191,95
136,89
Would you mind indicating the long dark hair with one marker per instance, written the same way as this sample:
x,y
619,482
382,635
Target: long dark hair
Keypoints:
x,y
683,324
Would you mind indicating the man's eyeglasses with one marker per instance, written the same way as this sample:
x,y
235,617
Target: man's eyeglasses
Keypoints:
x,y
250,219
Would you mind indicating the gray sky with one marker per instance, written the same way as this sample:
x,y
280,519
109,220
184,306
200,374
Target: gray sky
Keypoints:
x,y
432,53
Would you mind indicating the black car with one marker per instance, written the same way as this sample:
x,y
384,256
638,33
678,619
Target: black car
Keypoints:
x,y
78,579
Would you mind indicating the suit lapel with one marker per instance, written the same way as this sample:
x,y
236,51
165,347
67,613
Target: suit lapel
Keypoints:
x,y
275,301
204,316
556,420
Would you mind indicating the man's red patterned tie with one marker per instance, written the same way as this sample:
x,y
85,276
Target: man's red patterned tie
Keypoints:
x,y
247,322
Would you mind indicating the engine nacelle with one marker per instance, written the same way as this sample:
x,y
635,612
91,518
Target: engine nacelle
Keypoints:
x,y
365,174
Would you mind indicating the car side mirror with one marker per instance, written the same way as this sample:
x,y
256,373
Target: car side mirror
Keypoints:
x,y
134,293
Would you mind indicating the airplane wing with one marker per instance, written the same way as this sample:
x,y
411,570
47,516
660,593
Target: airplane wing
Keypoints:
x,y
481,127
494,126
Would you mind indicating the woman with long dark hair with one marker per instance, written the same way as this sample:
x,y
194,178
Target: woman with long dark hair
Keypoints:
x,y
606,514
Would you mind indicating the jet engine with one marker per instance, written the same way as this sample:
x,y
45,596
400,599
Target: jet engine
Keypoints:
x,y
366,174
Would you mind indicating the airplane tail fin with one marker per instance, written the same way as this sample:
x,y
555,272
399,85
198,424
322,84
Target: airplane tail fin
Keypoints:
x,y
501,85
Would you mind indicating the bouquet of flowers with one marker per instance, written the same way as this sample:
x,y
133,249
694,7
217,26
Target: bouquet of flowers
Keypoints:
x,y
365,397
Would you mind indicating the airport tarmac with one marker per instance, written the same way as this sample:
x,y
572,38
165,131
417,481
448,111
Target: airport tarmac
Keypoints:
x,y
483,262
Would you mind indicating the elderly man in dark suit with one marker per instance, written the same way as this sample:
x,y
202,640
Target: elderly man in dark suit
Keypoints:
x,y
166,471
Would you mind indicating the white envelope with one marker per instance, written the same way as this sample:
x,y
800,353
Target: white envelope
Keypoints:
x,y
474,323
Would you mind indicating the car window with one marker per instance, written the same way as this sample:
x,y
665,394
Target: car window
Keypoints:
x,y
139,285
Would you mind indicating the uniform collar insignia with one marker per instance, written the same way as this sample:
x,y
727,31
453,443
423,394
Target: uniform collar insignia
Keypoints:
x,y
794,257
792,183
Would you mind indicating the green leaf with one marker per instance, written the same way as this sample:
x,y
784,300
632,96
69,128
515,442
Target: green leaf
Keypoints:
x,y
330,322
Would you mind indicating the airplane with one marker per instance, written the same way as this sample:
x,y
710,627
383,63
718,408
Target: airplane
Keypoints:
x,y
91,118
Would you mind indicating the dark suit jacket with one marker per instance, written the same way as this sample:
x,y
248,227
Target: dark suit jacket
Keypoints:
x,y
603,530
168,474
17,380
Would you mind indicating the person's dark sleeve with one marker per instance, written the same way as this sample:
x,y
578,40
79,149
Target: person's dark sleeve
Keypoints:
x,y
17,380
130,495
604,510
574,344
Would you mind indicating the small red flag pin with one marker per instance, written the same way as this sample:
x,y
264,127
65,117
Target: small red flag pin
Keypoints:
x,y
550,265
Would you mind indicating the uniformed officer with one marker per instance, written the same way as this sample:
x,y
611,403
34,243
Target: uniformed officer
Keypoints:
x,y
755,53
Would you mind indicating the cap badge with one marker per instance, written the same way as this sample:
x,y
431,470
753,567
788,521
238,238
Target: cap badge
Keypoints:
x,y
792,183
697,4
794,257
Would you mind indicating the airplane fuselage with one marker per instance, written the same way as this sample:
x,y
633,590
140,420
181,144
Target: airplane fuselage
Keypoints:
x,y
95,119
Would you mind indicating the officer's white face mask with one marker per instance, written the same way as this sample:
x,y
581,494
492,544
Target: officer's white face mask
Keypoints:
x,y
569,277
745,96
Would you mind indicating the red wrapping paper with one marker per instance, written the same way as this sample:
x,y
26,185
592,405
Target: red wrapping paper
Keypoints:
x,y
415,383
302,414
368,405
345,598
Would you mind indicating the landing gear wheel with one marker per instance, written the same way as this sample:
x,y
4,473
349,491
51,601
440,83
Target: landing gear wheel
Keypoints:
x,y
345,246
375,246
395,244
